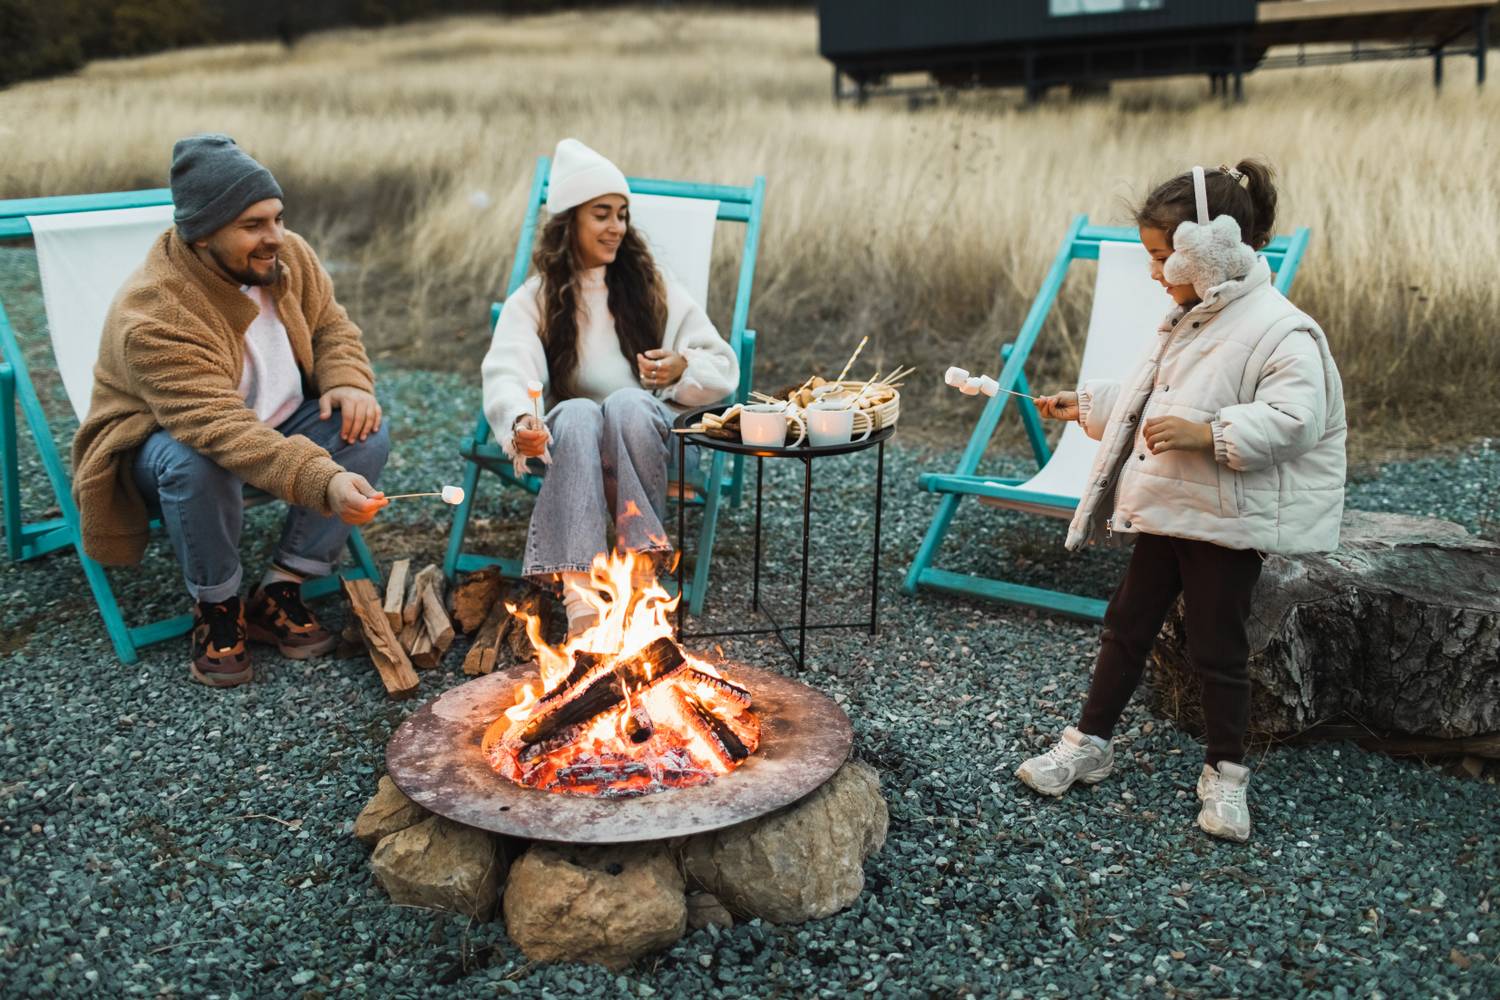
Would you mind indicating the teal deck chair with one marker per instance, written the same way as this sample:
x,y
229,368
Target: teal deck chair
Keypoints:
x,y
1127,308
725,477
123,225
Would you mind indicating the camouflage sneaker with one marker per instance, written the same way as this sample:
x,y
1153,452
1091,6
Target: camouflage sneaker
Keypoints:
x,y
277,616
220,658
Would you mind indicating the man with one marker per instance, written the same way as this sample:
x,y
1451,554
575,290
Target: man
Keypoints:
x,y
226,360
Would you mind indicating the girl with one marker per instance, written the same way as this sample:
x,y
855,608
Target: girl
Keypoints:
x,y
1227,443
613,341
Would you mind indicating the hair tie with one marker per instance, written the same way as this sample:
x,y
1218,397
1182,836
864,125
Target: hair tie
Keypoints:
x,y
1234,174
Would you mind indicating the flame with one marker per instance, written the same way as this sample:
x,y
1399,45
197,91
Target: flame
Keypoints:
x,y
657,735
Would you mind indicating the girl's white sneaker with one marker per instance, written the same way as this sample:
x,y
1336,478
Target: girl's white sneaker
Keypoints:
x,y
1226,811
1076,757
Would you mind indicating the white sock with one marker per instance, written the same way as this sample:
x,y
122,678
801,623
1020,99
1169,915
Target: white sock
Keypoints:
x,y
575,589
278,575
1099,741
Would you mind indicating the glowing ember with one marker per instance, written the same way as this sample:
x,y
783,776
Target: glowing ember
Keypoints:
x,y
621,709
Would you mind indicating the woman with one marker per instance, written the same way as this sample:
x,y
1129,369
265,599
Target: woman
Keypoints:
x,y
614,342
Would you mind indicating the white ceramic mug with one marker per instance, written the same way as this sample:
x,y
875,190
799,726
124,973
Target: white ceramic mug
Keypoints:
x,y
763,425
832,422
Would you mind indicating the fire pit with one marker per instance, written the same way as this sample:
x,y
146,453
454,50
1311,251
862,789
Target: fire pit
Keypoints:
x,y
618,736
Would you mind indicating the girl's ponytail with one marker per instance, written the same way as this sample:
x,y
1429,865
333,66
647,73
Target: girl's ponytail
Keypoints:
x,y
1262,191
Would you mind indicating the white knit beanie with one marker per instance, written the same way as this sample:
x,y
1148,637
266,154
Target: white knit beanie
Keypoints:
x,y
578,175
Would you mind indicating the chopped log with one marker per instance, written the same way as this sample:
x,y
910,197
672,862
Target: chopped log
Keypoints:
x,y
385,649
412,609
728,741
474,597
424,653
583,662
652,665
395,593
480,659
409,635
1394,632
435,620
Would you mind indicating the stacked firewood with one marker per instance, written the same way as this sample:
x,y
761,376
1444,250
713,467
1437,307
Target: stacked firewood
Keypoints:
x,y
413,625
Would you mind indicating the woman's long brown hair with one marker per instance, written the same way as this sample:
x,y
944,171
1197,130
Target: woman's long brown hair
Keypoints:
x,y
637,299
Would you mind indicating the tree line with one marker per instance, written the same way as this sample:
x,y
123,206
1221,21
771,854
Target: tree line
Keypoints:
x,y
50,37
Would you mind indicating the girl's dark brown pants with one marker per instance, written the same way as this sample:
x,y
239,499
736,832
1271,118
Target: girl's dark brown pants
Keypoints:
x,y
1216,584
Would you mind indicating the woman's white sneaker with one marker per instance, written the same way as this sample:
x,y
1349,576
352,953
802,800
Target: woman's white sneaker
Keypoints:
x,y
1076,757
1226,811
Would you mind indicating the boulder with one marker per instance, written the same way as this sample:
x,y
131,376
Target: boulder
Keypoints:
x,y
389,811
801,862
704,908
440,864
605,905
1396,631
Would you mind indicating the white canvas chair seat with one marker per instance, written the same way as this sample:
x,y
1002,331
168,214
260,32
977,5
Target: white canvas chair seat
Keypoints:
x,y
84,258
680,233
1127,310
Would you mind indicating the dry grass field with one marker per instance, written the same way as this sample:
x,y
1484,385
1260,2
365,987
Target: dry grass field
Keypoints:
x,y
928,229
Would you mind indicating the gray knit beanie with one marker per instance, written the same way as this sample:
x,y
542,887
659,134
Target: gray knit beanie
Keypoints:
x,y
213,181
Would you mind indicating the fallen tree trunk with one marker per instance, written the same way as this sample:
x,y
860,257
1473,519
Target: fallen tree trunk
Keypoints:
x,y
1398,632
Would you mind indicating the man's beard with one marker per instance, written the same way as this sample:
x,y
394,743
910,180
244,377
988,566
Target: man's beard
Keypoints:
x,y
247,276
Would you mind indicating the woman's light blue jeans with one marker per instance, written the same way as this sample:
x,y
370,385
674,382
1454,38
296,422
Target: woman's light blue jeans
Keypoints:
x,y
202,504
610,463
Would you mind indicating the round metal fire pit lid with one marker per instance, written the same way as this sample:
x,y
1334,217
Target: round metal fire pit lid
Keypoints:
x,y
435,759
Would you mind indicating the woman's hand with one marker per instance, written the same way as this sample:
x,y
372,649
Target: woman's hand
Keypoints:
x,y
1058,406
1177,434
530,436
659,369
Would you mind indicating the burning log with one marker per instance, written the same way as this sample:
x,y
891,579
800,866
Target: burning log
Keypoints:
x,y
638,727
714,688
385,650
606,690
395,593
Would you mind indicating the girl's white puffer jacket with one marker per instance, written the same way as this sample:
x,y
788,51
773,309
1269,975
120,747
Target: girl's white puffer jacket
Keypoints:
x,y
1258,369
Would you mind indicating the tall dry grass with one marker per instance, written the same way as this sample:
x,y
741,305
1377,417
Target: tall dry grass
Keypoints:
x,y
928,229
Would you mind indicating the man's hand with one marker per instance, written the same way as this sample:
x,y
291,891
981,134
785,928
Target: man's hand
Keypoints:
x,y
352,499
1058,406
658,368
1177,434
531,436
360,410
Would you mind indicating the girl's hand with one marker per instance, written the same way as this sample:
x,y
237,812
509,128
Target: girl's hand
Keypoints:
x,y
1177,434
530,436
1058,406
658,368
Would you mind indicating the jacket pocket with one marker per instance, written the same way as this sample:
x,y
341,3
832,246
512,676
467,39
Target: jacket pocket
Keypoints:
x,y
1231,492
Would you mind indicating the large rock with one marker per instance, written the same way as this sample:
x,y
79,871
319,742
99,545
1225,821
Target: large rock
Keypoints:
x,y
1398,630
802,862
606,905
386,813
441,865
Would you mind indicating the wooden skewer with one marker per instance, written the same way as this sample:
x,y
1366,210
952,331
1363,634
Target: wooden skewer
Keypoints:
x,y
865,340
408,496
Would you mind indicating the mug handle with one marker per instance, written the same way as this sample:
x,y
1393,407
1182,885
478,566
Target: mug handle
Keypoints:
x,y
801,427
869,426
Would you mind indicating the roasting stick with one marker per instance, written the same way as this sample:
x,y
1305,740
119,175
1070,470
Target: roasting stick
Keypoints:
x,y
451,495
850,363
534,390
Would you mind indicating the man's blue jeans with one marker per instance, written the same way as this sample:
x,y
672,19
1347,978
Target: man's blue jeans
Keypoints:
x,y
202,505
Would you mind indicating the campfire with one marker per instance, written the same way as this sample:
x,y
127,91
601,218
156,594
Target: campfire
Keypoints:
x,y
621,710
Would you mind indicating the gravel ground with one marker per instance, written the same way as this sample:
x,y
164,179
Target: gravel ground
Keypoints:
x,y
161,838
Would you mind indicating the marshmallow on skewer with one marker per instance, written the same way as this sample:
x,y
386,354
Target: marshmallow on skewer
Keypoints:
x,y
970,386
988,386
453,495
955,377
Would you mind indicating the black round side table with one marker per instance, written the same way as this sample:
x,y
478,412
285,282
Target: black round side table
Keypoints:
x,y
807,454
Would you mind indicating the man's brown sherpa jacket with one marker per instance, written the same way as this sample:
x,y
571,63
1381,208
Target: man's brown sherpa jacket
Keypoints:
x,y
171,357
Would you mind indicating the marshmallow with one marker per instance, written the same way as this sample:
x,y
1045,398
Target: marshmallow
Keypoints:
x,y
970,387
988,386
955,377
453,495
534,389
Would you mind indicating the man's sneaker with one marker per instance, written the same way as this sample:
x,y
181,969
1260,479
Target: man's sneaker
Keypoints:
x,y
1225,812
220,658
278,616
1076,757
